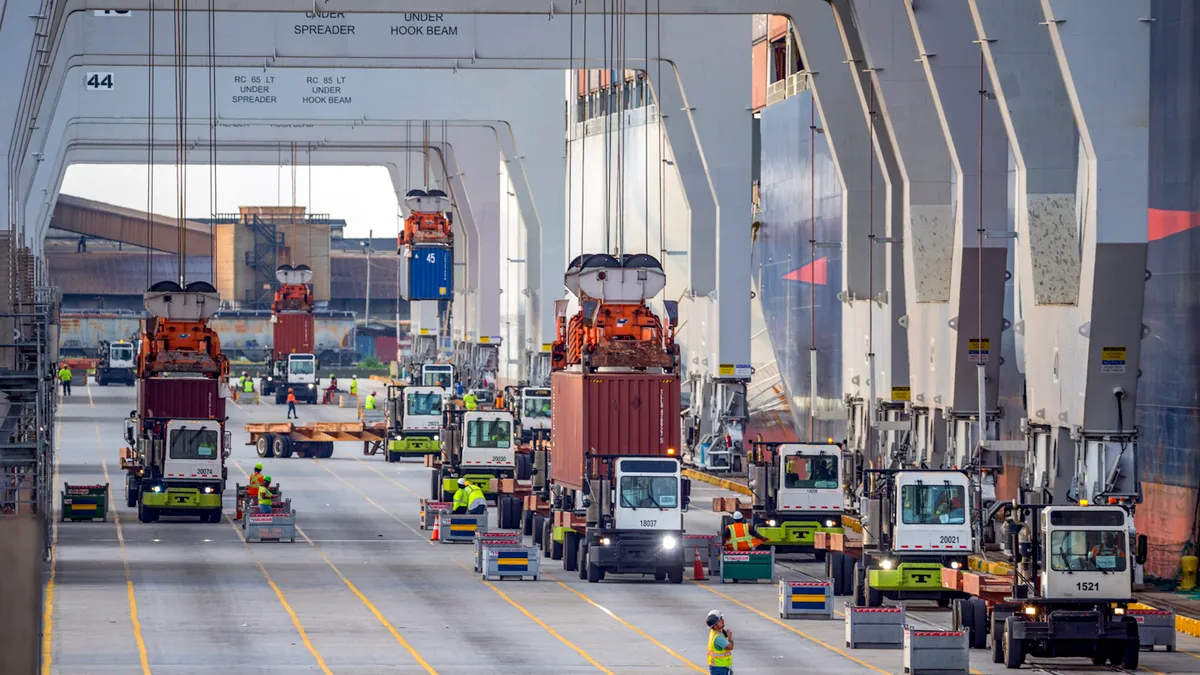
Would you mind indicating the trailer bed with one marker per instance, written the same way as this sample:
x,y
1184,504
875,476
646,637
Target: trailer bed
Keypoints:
x,y
319,431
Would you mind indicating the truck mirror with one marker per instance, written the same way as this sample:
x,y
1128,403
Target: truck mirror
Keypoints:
x,y
226,454
1142,547
687,488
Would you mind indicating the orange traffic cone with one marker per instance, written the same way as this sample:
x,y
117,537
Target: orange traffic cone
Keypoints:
x,y
698,568
437,529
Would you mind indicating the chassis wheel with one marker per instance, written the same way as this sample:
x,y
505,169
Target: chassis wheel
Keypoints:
x,y
538,522
281,447
263,445
526,523
582,560
1014,650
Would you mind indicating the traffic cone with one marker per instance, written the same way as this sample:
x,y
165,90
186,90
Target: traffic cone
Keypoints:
x,y
437,529
698,568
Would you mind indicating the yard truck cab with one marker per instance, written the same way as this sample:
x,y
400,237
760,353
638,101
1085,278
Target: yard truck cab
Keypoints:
x,y
182,467
634,522
414,421
477,445
297,372
117,363
914,522
437,375
534,413
797,493
1073,583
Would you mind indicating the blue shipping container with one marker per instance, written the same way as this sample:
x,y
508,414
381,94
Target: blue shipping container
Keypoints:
x,y
365,346
431,273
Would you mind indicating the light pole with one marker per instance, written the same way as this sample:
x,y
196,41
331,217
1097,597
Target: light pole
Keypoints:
x,y
367,310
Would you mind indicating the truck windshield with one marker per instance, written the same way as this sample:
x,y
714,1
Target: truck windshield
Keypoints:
x,y
536,407
649,492
1087,550
489,434
425,404
436,378
194,444
811,471
122,353
302,367
934,504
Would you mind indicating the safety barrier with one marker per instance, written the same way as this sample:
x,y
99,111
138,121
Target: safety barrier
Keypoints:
x,y
430,510
483,539
707,545
1155,627
278,525
874,627
503,560
936,652
84,502
805,599
460,528
748,566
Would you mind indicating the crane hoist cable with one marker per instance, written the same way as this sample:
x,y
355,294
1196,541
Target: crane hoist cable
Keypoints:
x,y
150,72
212,139
181,114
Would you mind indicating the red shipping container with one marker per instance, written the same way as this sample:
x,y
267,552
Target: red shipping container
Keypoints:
x,y
610,414
180,398
385,348
293,334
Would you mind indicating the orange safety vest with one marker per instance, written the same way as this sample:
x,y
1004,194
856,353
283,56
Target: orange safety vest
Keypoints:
x,y
740,538
256,479
291,398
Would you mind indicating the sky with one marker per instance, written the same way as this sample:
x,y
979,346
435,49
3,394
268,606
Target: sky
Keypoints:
x,y
362,195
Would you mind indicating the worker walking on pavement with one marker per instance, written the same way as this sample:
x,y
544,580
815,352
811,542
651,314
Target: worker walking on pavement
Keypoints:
x,y
470,401
369,404
739,536
720,645
460,497
265,496
64,376
291,401
354,385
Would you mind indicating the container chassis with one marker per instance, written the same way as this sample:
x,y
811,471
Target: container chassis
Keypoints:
x,y
315,440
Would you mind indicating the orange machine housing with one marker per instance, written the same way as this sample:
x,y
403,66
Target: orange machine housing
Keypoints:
x,y
614,335
426,228
188,346
293,298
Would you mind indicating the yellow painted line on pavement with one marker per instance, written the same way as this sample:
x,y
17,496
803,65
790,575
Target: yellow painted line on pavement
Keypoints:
x,y
395,482
802,634
360,595
639,631
48,610
350,485
578,650
283,601
732,486
133,608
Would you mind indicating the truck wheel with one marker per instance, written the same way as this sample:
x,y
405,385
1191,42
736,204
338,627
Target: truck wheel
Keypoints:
x,y
324,449
960,615
675,575
547,537
435,485
502,512
1132,650
526,522
556,547
538,521
979,622
263,445
303,449
583,566
281,447
595,573
857,586
660,575
997,650
874,596
570,548
131,492
1014,650
524,467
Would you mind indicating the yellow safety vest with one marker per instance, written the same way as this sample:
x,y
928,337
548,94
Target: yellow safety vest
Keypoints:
x,y
248,385
264,495
475,495
370,404
718,657
470,402
353,386
739,534
460,498
64,375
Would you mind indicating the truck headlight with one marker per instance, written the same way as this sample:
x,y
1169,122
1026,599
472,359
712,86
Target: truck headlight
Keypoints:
x,y
605,541
208,490
668,542
829,523
270,379
1118,610
955,565
311,385
886,564
1030,610
156,488
771,523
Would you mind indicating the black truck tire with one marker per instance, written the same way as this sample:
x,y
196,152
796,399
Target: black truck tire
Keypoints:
x,y
303,449
281,447
860,597
874,596
435,485
502,512
131,491
582,560
538,522
526,522
979,622
675,574
595,573
1014,650
263,445
570,549
324,449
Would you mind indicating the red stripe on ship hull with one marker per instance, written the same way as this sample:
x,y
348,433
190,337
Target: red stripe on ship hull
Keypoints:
x,y
1163,224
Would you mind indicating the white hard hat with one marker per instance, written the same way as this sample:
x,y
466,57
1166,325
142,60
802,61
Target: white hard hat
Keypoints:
x,y
462,481
737,515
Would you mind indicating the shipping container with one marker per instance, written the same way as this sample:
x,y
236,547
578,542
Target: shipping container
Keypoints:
x,y
385,347
610,414
293,334
180,398
429,272
365,346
